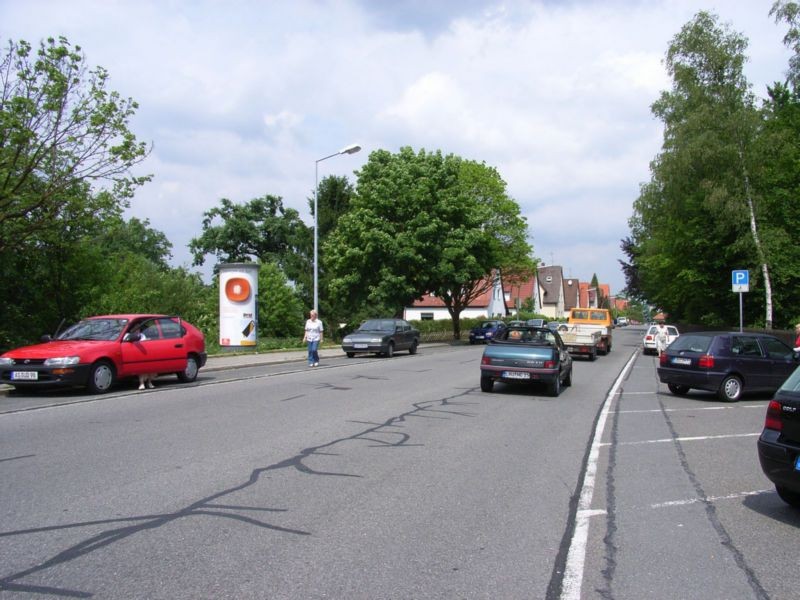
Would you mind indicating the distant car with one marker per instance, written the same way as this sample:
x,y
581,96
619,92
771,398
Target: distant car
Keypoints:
x,y
622,321
536,323
381,336
779,444
516,324
98,351
649,339
485,331
726,363
526,355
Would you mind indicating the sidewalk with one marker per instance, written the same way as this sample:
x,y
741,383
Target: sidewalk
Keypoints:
x,y
220,362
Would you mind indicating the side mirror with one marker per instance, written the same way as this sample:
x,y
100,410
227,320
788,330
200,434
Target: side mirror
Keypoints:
x,y
133,337
46,338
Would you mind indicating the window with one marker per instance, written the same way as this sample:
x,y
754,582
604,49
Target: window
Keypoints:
x,y
745,346
170,329
426,317
776,348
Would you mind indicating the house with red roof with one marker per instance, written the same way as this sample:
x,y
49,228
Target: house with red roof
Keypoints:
x,y
550,293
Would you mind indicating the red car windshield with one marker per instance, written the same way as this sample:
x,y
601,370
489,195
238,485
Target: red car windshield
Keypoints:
x,y
94,329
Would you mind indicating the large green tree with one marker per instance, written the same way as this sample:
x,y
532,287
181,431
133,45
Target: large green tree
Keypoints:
x,y
61,133
697,218
261,229
424,222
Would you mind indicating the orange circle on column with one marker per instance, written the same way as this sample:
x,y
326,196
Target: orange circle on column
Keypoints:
x,y
237,289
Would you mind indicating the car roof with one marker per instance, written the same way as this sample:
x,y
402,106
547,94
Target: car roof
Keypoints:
x,y
127,316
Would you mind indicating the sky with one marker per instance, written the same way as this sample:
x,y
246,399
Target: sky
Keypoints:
x,y
240,99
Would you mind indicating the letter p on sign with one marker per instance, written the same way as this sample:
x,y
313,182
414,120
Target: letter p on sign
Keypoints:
x,y
740,281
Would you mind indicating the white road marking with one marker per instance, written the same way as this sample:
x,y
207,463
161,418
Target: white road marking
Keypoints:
x,y
711,499
699,408
576,556
698,438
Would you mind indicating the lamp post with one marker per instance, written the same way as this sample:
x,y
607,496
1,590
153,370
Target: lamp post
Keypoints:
x,y
352,149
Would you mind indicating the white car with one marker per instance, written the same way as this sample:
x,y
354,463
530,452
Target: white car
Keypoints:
x,y
649,341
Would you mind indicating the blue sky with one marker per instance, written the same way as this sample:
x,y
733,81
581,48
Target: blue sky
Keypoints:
x,y
240,98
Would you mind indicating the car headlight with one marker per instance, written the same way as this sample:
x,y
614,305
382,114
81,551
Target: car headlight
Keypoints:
x,y
6,362
62,361
375,340
347,340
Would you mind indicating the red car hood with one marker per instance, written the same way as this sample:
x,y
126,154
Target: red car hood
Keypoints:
x,y
55,348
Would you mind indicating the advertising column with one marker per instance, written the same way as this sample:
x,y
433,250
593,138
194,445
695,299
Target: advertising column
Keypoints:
x,y
238,314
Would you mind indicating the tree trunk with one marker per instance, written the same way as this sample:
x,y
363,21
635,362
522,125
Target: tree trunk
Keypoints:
x,y
759,250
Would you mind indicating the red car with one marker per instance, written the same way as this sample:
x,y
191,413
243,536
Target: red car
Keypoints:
x,y
97,351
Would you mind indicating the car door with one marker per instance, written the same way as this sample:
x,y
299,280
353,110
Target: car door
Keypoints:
x,y
161,349
403,334
781,359
748,359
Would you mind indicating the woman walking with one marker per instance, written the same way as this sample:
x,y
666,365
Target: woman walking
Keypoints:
x,y
313,336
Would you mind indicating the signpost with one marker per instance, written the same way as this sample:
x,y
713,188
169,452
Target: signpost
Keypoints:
x,y
740,281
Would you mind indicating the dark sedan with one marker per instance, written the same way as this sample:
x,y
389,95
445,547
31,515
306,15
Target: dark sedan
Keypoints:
x,y
486,331
381,336
779,444
726,363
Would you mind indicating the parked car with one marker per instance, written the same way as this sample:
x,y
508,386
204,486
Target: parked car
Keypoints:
x,y
98,351
622,321
536,323
526,355
779,444
485,331
726,363
649,339
381,336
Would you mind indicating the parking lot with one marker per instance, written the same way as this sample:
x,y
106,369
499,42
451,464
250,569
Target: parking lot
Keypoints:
x,y
680,507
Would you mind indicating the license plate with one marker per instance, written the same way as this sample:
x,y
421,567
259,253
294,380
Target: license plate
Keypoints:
x,y
25,375
797,464
516,375
681,361
478,337
360,346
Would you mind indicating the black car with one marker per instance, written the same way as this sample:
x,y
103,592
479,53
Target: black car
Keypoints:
x,y
381,336
726,363
779,444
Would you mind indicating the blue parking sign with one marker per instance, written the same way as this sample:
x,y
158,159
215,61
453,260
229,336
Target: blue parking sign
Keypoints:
x,y
740,280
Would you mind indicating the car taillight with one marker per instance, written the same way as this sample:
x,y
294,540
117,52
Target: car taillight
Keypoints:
x,y
549,364
774,420
486,360
706,361
649,338
662,360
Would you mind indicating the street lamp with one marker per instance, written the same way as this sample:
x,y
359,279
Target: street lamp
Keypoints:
x,y
352,149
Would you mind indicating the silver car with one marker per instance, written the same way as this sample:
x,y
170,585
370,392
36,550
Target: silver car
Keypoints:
x,y
649,340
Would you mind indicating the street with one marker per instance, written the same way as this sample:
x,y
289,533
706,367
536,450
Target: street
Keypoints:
x,y
394,478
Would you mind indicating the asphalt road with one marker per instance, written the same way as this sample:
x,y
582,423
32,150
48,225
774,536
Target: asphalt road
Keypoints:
x,y
393,478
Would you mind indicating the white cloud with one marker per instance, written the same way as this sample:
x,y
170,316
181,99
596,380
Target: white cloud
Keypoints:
x,y
240,99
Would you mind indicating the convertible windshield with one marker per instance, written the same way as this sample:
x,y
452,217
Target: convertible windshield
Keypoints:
x,y
377,325
94,329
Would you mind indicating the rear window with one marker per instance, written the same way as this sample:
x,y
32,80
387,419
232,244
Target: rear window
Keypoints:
x,y
792,383
692,343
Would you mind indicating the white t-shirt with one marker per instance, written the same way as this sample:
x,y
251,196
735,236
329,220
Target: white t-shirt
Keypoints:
x,y
313,330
